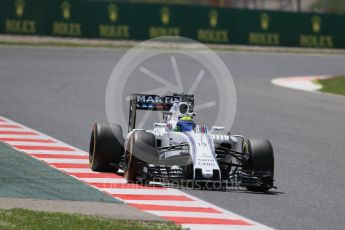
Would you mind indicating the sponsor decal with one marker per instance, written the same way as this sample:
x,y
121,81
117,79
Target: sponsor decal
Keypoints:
x,y
20,6
316,24
165,15
154,102
165,30
265,21
113,12
316,39
66,10
19,25
111,29
65,27
213,34
264,37
158,99
213,18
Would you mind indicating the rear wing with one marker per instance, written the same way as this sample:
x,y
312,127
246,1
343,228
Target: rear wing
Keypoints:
x,y
155,103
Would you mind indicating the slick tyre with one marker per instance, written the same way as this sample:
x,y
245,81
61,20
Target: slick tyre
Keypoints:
x,y
261,160
106,147
141,150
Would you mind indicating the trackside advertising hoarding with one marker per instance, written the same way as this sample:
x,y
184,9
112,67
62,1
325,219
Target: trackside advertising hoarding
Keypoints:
x,y
111,20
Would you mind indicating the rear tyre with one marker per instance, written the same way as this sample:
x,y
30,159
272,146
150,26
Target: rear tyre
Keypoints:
x,y
106,147
141,150
261,160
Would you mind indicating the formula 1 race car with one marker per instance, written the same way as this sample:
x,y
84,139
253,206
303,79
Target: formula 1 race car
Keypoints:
x,y
178,150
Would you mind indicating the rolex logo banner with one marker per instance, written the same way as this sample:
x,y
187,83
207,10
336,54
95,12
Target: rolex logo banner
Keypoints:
x,y
116,20
22,17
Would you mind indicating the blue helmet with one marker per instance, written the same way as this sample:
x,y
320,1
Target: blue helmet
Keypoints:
x,y
185,124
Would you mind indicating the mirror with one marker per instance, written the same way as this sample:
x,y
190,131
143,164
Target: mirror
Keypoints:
x,y
183,109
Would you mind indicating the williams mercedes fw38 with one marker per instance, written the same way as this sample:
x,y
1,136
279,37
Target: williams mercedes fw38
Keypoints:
x,y
178,150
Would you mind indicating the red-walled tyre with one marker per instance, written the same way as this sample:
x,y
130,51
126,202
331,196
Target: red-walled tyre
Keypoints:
x,y
141,149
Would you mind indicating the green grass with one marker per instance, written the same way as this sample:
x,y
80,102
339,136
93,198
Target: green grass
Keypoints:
x,y
34,220
333,85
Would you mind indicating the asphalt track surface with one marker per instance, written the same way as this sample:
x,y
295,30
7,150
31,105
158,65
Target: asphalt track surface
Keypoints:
x,y
61,92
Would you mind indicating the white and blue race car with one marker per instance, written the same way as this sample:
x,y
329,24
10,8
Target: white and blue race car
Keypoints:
x,y
178,150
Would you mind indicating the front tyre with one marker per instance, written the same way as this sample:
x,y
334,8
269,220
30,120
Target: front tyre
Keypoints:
x,y
141,150
106,147
261,161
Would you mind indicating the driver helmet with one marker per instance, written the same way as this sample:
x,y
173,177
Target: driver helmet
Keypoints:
x,y
185,124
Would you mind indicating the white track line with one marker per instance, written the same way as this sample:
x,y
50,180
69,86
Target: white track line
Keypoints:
x,y
170,203
141,191
306,83
104,180
11,128
28,143
190,214
218,227
76,170
54,152
58,160
22,136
